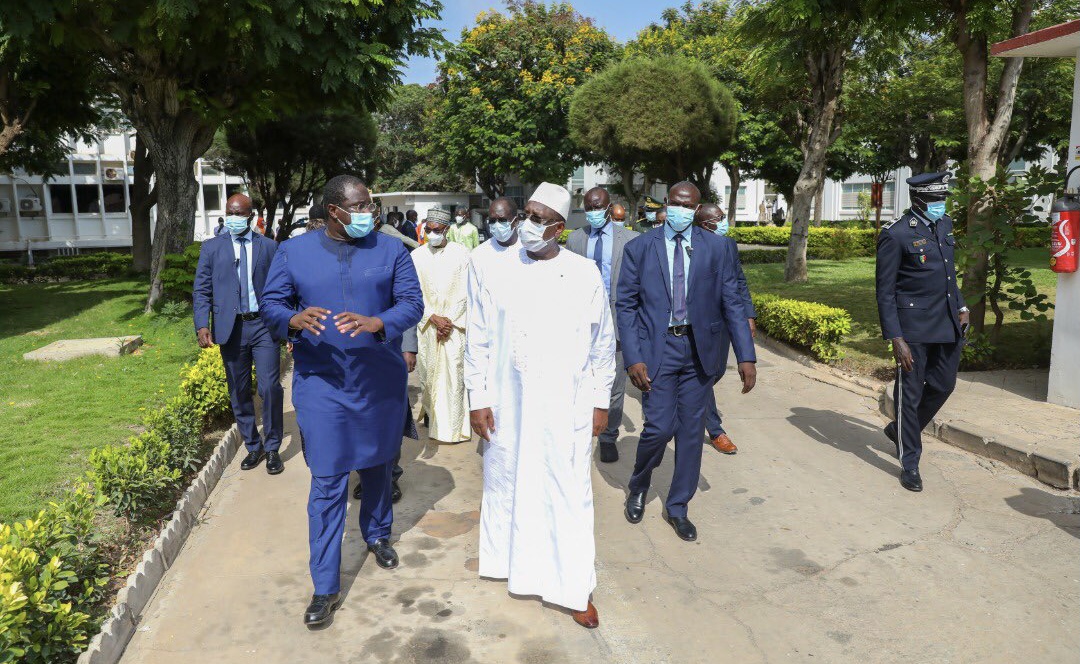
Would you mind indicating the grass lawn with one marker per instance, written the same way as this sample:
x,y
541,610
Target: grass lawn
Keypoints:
x,y
53,413
850,285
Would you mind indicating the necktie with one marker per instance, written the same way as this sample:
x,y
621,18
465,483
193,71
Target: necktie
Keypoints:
x,y
244,307
598,252
678,283
933,228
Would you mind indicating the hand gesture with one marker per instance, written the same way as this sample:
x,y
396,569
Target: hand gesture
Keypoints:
x,y
482,422
443,327
599,420
748,373
355,323
203,335
753,328
902,353
965,322
410,360
310,319
639,376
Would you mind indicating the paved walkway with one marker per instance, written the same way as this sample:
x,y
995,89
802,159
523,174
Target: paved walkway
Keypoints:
x,y
809,551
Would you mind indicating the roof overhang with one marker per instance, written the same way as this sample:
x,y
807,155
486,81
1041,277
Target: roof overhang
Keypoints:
x,y
1057,41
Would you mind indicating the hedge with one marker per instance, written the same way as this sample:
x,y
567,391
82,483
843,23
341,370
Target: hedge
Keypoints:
x,y
756,256
822,242
178,277
810,325
97,265
53,572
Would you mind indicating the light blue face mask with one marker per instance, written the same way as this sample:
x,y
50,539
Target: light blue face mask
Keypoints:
x,y
679,218
935,211
721,227
650,217
597,218
236,224
360,224
501,230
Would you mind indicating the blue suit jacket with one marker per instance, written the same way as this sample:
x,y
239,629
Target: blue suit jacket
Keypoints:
x,y
725,338
217,287
714,300
917,294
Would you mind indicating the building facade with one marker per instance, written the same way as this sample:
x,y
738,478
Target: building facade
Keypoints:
x,y
86,206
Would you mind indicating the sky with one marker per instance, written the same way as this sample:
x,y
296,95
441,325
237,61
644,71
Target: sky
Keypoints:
x,y
622,19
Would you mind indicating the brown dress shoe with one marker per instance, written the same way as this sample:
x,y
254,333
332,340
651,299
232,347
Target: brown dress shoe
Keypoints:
x,y
724,445
588,618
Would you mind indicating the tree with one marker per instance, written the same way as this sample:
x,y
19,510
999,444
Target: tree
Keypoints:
x,y
180,68
48,91
506,93
404,155
287,161
618,116
801,49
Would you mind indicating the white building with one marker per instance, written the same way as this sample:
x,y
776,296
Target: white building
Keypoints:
x,y
86,206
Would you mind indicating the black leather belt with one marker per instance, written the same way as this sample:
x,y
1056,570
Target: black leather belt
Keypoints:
x,y
679,330
249,316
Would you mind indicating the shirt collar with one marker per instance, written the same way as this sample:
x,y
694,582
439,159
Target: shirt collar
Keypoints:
x,y
669,233
920,217
603,230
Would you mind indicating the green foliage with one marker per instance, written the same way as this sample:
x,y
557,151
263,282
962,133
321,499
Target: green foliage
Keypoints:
x,y
1010,210
178,277
840,244
136,478
506,90
618,116
758,256
96,265
172,312
977,352
204,383
180,424
817,327
52,576
823,242
405,156
286,160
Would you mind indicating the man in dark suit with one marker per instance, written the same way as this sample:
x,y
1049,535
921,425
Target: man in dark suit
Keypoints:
x,y
922,313
229,284
603,241
677,292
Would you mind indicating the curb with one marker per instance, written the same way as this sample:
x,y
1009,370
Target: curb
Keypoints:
x,y
108,645
856,384
1056,472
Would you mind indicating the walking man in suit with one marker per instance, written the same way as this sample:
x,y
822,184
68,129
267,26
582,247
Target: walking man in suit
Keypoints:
x,y
229,283
922,312
678,290
603,242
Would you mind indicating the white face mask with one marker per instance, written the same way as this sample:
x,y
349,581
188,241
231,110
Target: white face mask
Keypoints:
x,y
436,239
460,220
532,237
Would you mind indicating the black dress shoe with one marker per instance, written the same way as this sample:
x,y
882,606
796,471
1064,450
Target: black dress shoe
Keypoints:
x,y
395,493
910,480
635,507
609,453
684,528
358,491
274,464
320,609
385,555
890,433
251,460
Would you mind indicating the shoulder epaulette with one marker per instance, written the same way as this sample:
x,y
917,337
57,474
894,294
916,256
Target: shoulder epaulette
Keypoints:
x,y
887,226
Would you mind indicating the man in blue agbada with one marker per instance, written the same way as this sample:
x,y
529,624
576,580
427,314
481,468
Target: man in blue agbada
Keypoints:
x,y
344,295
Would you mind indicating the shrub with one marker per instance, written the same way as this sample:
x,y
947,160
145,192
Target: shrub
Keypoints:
x,y
755,256
179,424
204,383
807,324
136,478
977,352
862,242
839,245
565,234
1033,236
86,266
13,273
52,576
178,276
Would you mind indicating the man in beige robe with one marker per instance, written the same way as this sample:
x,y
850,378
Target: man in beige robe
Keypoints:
x,y
442,267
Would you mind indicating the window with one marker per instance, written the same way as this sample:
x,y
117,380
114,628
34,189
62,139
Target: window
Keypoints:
x,y
518,194
210,170
113,197
849,195
84,168
231,189
60,199
740,200
211,195
86,199
577,187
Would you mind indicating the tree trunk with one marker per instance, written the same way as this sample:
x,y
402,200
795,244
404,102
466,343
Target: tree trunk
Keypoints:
x,y
826,74
819,200
986,136
735,176
142,201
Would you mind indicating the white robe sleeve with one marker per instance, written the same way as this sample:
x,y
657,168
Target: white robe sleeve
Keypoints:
x,y
457,304
602,351
477,343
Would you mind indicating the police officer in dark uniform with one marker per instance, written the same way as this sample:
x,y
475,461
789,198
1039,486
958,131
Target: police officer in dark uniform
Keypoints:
x,y
922,312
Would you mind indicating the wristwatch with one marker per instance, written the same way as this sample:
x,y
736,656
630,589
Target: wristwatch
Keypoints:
x,y
964,309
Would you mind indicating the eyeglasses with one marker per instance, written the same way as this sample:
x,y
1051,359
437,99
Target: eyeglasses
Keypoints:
x,y
715,221
370,206
504,220
536,219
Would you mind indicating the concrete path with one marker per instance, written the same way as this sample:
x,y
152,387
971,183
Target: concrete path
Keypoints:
x,y
809,551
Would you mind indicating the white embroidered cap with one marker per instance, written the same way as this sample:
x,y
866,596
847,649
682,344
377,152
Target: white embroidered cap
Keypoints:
x,y
555,197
